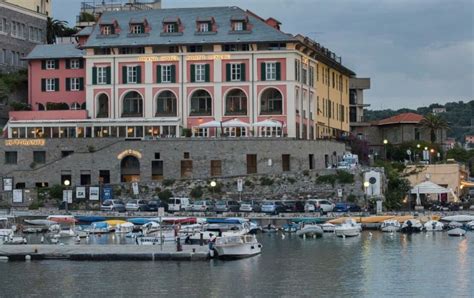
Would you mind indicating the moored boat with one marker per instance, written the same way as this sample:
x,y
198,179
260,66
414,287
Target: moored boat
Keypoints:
x,y
412,226
124,227
88,219
328,227
350,228
454,225
457,232
390,226
433,226
40,222
470,225
311,230
236,247
459,218
269,229
7,227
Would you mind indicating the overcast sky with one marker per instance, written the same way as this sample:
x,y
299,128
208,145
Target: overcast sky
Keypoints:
x,y
416,52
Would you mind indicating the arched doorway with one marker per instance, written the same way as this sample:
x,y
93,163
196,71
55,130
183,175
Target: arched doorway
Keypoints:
x,y
130,169
103,106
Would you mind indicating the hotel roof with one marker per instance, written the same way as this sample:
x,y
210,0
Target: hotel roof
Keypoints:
x,y
260,31
53,51
405,118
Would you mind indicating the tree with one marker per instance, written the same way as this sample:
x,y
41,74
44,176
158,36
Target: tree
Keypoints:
x,y
434,123
55,28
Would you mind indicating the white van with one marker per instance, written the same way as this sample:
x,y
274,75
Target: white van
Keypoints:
x,y
178,204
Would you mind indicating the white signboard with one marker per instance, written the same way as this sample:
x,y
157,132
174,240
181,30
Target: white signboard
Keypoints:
x,y
94,193
135,188
339,193
161,212
18,196
80,192
240,185
7,184
67,196
379,206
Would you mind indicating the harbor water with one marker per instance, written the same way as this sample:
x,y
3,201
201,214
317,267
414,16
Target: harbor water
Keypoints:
x,y
372,265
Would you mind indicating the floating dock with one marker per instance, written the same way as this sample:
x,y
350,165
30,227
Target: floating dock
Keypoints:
x,y
103,252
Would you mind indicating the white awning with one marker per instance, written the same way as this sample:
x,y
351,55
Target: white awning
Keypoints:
x,y
429,187
235,123
210,124
268,123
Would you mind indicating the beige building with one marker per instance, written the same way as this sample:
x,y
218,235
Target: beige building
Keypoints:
x,y
445,175
39,6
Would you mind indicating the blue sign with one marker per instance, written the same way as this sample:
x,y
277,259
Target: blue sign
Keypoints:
x,y
107,193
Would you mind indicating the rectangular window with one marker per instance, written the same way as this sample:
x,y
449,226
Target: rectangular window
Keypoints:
x,y
106,30
75,84
50,85
137,29
200,75
285,161
311,161
311,76
166,73
85,179
132,74
50,64
238,26
251,163
204,27
186,168
216,168
3,54
11,157
270,71
75,64
171,28
195,49
39,157
101,75
157,170
304,76
235,72
104,176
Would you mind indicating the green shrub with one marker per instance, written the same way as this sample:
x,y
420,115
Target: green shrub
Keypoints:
x,y
344,177
168,182
327,179
248,183
56,192
196,192
265,181
36,205
165,195
351,198
291,180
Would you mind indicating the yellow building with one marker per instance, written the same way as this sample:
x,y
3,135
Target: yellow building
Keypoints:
x,y
40,6
449,176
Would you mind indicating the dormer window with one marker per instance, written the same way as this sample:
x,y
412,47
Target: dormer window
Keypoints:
x,y
107,29
204,27
171,27
137,29
239,23
239,26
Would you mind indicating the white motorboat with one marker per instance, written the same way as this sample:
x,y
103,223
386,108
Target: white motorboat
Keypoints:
x,y
350,228
269,229
459,218
150,228
433,226
124,228
470,225
328,227
100,227
390,226
7,228
457,232
40,222
412,226
236,247
13,240
310,231
454,225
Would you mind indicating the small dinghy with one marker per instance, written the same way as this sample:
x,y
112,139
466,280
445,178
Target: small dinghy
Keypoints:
x,y
470,225
458,218
291,228
328,227
457,232
454,225
433,226
40,222
412,226
310,231
350,228
390,226
269,229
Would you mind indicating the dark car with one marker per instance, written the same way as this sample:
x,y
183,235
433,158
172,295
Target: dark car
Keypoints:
x,y
347,207
153,206
234,206
294,206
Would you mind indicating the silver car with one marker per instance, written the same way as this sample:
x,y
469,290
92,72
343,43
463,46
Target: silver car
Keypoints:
x,y
136,205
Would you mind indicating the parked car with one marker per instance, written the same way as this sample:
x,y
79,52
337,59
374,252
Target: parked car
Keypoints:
x,y
234,206
202,206
136,205
273,207
322,205
221,206
248,206
178,204
309,207
346,207
112,205
153,206
294,206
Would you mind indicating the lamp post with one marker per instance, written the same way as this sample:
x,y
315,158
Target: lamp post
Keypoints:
x,y
432,151
366,187
385,142
213,184
417,151
66,194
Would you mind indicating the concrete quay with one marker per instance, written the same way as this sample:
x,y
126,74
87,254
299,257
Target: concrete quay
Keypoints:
x,y
104,252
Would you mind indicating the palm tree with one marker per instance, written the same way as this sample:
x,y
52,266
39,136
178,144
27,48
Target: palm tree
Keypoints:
x,y
55,28
434,123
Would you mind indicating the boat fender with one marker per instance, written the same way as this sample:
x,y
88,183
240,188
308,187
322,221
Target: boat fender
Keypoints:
x,y
27,258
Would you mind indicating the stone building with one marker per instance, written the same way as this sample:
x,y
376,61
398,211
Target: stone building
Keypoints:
x,y
357,104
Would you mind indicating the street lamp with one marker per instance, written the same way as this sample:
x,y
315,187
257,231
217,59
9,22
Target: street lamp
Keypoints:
x,y
418,146
366,187
385,142
213,184
66,194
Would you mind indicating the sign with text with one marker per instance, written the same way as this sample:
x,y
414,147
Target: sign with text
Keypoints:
x,y
107,193
339,193
7,184
18,196
94,193
80,192
240,185
25,142
135,188
67,196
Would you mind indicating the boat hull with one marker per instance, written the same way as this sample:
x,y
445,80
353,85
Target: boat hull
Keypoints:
x,y
310,231
238,251
457,232
352,232
390,229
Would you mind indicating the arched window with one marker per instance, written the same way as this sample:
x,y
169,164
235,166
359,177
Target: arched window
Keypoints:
x,y
236,103
103,106
132,105
271,102
201,103
166,104
75,106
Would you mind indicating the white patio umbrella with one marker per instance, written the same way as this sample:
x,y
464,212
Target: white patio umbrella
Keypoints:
x,y
210,124
268,123
427,187
235,123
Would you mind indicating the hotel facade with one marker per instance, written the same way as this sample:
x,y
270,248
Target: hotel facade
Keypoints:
x,y
196,75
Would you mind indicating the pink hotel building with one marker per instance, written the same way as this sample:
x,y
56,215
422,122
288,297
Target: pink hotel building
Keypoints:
x,y
175,72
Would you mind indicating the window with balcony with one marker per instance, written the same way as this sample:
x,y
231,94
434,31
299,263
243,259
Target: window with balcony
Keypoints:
x,y
132,105
201,103
236,103
271,102
166,104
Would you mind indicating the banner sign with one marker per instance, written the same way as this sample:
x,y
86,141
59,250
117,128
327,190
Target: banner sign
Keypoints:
x,y
94,193
107,193
7,184
240,185
18,196
135,188
67,196
80,192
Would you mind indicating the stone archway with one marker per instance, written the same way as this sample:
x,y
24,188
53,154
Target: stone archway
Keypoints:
x,y
130,169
